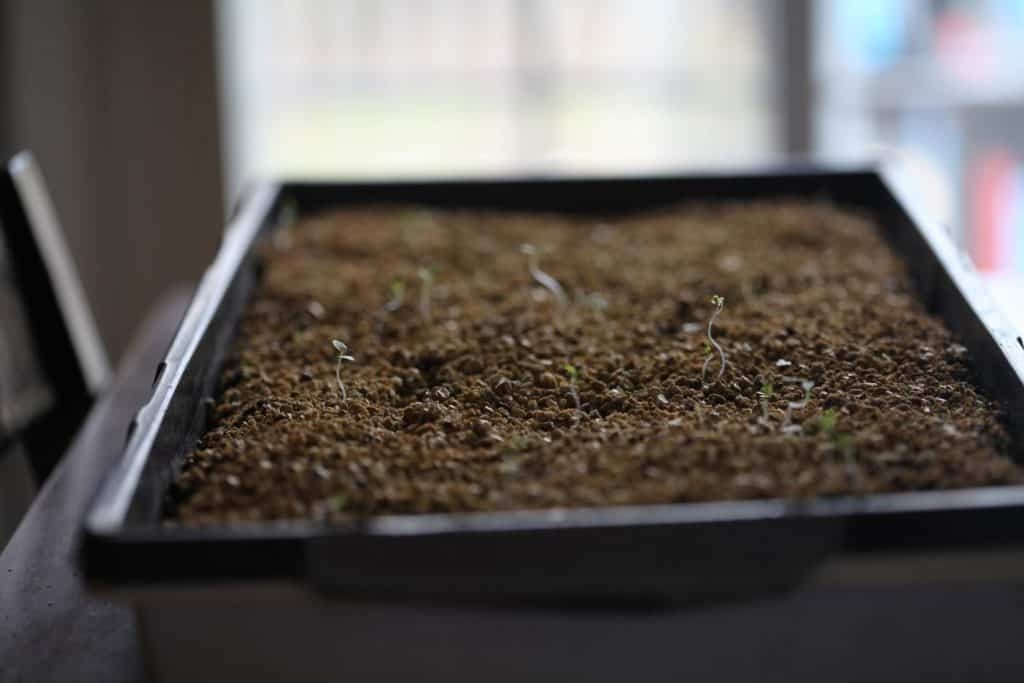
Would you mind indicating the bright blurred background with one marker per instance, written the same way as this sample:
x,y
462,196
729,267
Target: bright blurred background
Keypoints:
x,y
489,86
149,118
406,87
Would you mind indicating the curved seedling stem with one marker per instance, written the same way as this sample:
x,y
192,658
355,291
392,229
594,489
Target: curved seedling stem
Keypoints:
x,y
540,277
719,303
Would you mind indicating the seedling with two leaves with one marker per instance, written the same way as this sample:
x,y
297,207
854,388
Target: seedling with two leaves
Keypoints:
x,y
343,355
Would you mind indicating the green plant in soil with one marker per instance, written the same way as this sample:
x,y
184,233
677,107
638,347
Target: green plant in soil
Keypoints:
x,y
806,385
573,374
426,276
827,422
343,355
841,441
397,297
540,277
718,302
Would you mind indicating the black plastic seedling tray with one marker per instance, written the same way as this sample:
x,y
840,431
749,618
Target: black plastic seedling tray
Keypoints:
x,y
682,551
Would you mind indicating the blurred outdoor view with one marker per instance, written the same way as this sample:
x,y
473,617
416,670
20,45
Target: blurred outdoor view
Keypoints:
x,y
454,86
457,87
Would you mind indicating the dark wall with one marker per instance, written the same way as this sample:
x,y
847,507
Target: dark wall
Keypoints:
x,y
118,100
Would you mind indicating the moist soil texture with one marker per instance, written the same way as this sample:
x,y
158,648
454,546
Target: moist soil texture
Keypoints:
x,y
485,378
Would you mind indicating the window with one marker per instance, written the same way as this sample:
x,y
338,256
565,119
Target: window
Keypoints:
x,y
405,87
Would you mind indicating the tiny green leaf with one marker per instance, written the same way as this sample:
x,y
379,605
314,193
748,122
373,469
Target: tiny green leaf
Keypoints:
x,y
827,421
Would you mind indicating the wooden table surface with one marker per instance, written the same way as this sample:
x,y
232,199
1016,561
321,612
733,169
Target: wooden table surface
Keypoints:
x,y
50,628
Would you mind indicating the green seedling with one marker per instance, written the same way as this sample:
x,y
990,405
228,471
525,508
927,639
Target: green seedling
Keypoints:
x,y
426,276
841,441
574,374
827,422
718,302
540,277
342,349
397,297
806,385
337,503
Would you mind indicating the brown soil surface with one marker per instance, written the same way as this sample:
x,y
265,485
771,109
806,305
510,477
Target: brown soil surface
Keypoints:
x,y
471,407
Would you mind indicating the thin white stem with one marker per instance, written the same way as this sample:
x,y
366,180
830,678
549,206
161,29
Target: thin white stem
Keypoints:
x,y
342,350
341,385
543,279
426,281
575,398
717,347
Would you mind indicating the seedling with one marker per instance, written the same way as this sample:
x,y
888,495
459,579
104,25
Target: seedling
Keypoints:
x,y
397,297
718,302
574,374
806,385
426,276
841,441
827,422
766,392
342,349
540,277
591,300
